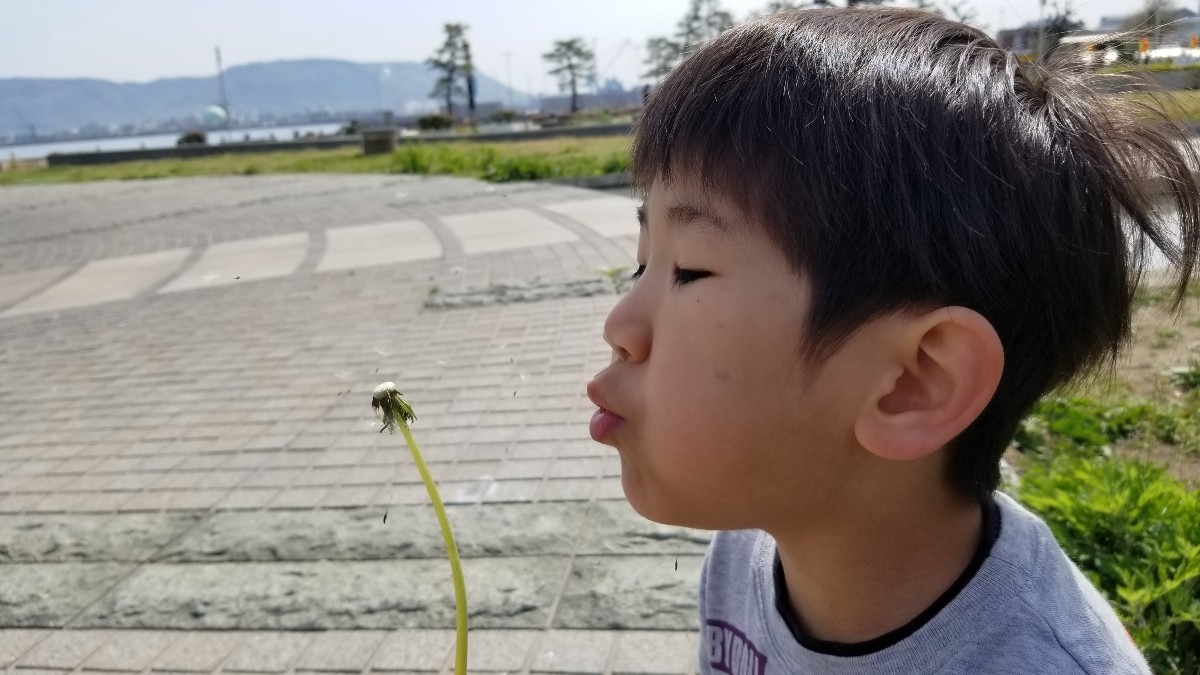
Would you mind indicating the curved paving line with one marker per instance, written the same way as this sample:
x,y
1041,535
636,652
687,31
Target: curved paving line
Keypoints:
x,y
318,245
68,272
187,264
212,208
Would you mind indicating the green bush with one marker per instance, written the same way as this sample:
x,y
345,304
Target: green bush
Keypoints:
x,y
434,122
1135,532
1079,425
527,167
192,138
503,115
410,159
351,128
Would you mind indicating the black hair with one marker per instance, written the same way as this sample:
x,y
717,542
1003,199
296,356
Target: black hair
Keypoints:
x,y
903,161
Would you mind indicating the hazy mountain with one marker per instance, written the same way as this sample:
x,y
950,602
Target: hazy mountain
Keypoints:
x,y
275,88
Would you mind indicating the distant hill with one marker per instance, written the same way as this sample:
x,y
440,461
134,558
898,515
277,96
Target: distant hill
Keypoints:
x,y
276,88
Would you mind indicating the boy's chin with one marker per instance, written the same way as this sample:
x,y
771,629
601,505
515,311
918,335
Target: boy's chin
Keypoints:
x,y
655,506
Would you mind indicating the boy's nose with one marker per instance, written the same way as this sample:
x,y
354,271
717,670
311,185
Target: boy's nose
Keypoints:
x,y
626,329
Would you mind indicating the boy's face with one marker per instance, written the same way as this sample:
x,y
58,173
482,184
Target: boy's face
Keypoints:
x,y
717,423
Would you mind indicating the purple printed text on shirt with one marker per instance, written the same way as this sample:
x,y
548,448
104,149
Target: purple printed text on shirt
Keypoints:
x,y
730,651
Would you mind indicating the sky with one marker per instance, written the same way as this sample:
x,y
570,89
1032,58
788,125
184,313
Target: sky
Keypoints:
x,y
143,40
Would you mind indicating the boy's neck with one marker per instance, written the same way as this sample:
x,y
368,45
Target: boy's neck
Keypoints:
x,y
875,571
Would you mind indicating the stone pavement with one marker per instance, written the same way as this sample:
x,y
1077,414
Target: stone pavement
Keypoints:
x,y
190,474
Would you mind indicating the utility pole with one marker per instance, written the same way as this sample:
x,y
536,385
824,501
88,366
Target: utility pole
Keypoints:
x,y
1041,29
221,86
379,93
595,75
508,74
384,71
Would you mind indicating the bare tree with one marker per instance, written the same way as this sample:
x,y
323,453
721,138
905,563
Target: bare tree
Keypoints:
x,y
450,60
573,63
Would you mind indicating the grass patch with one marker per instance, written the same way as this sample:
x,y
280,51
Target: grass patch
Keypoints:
x,y
1180,105
1185,378
1081,426
498,162
1159,295
1163,337
1156,67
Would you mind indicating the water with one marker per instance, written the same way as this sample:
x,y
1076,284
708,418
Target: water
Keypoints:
x,y
40,150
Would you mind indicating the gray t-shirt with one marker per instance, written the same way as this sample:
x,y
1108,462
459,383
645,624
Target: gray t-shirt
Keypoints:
x,y
1027,610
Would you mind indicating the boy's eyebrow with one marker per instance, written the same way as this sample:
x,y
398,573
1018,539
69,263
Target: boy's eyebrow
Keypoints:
x,y
682,215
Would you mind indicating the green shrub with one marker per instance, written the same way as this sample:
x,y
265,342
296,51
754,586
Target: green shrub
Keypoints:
x,y
1078,425
1081,426
434,122
526,167
1135,532
351,128
410,159
192,138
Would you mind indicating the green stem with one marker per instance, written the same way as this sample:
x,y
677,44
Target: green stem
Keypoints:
x,y
460,588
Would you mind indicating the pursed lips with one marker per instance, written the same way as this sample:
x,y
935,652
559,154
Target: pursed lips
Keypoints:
x,y
605,422
597,398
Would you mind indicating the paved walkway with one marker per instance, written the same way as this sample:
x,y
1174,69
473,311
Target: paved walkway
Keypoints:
x,y
190,474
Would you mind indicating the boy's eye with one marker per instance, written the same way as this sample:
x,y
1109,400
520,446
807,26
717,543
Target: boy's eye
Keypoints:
x,y
637,274
683,276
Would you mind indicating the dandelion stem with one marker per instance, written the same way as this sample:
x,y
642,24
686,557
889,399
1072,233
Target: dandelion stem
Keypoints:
x,y
460,588
398,413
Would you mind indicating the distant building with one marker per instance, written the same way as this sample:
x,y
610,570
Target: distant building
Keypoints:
x,y
1170,40
1178,27
1022,41
610,99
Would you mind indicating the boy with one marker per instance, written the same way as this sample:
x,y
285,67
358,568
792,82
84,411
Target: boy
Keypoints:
x,y
871,240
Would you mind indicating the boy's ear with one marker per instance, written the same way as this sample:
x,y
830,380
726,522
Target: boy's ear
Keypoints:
x,y
941,370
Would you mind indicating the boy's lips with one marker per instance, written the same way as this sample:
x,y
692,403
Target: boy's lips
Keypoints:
x,y
604,421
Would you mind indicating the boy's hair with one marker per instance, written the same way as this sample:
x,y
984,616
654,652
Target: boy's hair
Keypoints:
x,y
903,161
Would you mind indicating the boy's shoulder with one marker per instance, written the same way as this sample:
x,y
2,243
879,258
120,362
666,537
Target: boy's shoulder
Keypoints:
x,y
1027,610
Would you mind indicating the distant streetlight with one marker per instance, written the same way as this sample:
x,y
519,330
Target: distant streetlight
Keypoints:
x,y
1041,29
383,73
221,86
508,75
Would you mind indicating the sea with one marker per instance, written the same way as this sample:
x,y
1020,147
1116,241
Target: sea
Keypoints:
x,y
216,137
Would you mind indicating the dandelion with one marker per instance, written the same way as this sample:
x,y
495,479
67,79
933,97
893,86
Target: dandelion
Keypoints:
x,y
397,413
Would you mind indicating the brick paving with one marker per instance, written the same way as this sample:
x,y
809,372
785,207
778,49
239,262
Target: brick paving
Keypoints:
x,y
190,478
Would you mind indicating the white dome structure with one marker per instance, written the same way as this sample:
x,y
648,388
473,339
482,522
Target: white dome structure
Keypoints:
x,y
215,115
